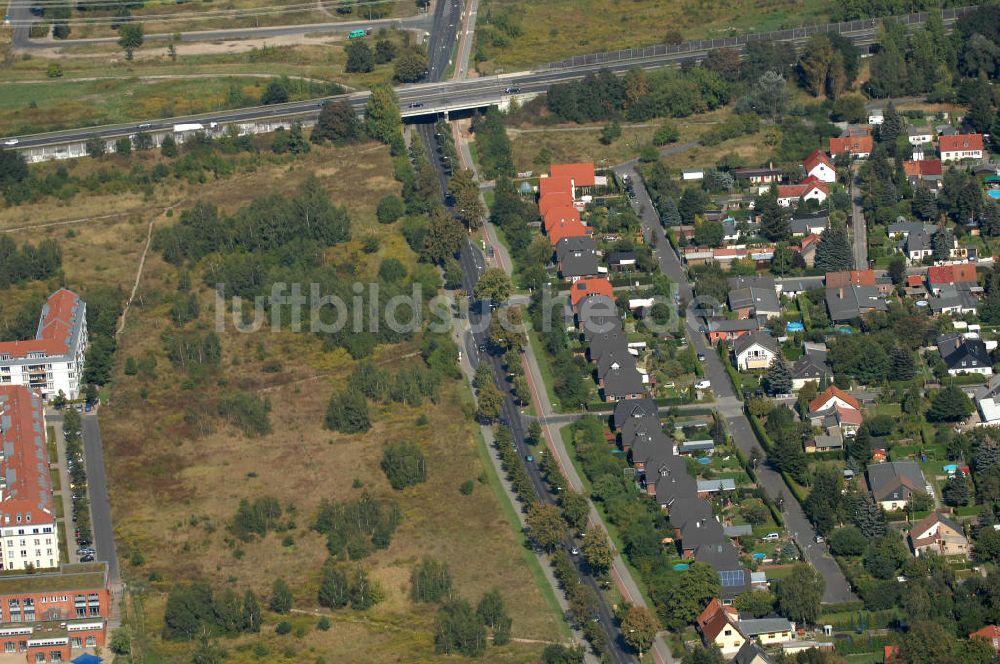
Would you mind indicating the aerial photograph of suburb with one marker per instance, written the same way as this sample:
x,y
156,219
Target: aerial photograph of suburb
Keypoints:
x,y
500,331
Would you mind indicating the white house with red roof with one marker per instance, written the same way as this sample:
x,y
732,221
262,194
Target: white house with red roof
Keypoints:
x,y
961,146
28,534
819,166
791,194
52,362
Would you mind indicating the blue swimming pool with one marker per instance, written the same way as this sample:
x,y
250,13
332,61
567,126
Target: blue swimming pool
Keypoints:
x,y
993,193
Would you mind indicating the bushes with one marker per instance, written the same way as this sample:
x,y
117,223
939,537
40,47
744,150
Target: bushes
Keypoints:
x,y
347,412
31,262
193,607
355,528
430,581
256,518
404,466
459,630
492,145
247,412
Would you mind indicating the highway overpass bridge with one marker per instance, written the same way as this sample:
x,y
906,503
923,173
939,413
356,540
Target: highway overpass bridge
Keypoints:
x,y
432,99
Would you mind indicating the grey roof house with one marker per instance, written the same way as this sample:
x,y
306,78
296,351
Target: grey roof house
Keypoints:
x,y
964,355
852,302
577,257
632,410
892,483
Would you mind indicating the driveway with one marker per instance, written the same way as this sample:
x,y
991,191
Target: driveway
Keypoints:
x,y
796,523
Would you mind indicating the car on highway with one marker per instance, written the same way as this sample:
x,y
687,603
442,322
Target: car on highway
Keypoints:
x,y
145,125
11,141
417,104
703,384
511,91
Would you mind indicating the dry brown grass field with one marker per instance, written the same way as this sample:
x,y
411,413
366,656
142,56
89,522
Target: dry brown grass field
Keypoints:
x,y
173,493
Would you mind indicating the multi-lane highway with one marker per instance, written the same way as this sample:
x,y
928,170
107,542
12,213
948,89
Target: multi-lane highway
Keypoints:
x,y
440,96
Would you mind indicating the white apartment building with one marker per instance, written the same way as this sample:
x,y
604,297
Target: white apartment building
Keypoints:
x,y
52,362
28,534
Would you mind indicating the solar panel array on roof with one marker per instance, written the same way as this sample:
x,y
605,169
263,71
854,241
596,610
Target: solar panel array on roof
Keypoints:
x,y
732,578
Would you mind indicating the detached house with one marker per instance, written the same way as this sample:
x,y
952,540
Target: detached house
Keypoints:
x,y
917,246
819,166
927,171
893,483
991,633
833,397
717,625
755,351
811,367
964,355
853,302
940,535
950,275
919,135
961,146
855,147
791,194
721,329
809,225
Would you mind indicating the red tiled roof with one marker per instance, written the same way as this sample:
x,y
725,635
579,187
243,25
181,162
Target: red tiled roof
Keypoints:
x,y
951,274
551,185
816,158
55,328
29,489
989,632
850,277
922,167
587,287
961,143
582,174
560,215
714,619
914,280
570,228
800,190
554,200
851,145
829,393
849,416
807,241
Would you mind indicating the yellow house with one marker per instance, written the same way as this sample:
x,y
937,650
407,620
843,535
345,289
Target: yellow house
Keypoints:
x,y
718,625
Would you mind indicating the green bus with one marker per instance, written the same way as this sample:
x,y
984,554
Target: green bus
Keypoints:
x,y
357,34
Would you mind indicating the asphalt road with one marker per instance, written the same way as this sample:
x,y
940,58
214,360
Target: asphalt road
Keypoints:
x,y
455,94
100,505
443,38
858,229
22,18
796,523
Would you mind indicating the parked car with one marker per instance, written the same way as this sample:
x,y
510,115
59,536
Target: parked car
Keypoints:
x,y
819,539
701,357
703,384
529,458
771,537
87,559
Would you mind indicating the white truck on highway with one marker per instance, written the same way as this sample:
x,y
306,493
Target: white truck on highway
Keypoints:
x,y
193,126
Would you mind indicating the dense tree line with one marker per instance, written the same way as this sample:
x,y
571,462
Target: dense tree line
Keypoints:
x,y
266,224
496,156
639,96
193,607
356,528
29,263
104,307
